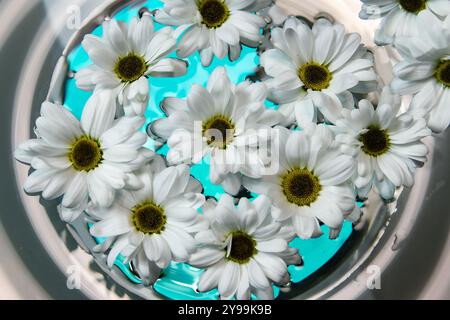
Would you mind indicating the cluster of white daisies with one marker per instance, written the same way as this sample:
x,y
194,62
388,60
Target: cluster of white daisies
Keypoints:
x,y
307,161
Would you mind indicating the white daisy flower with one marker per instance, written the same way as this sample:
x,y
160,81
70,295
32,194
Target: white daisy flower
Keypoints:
x,y
387,146
152,226
225,121
214,27
425,72
245,251
403,17
305,64
312,182
125,57
83,160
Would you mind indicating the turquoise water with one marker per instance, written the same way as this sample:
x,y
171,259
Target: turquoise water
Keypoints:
x,y
179,280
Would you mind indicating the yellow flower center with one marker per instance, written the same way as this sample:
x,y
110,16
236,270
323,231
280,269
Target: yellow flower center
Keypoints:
x,y
442,73
148,218
85,154
130,68
375,141
214,13
243,247
315,76
413,6
219,131
301,186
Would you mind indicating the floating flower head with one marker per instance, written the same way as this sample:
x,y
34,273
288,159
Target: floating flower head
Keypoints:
x,y
244,251
425,72
306,63
125,57
83,160
152,226
311,183
402,18
214,27
225,121
387,146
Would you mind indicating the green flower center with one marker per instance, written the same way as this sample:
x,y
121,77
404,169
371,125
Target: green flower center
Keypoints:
x,y
148,218
243,247
443,72
301,186
130,68
413,6
375,141
85,154
214,13
315,76
219,131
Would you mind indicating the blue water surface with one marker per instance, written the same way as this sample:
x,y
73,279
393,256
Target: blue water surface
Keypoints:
x,y
179,280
